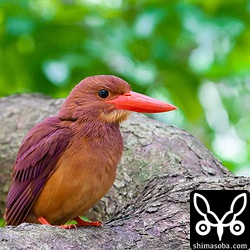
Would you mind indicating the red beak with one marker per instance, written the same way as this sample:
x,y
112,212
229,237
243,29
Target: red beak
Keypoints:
x,y
140,103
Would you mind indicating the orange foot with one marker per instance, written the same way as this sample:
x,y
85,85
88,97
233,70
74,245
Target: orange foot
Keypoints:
x,y
80,223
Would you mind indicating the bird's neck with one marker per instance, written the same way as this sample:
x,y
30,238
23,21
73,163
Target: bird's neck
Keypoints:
x,y
97,129
104,138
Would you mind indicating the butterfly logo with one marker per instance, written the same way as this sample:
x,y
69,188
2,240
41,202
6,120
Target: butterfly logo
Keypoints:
x,y
210,219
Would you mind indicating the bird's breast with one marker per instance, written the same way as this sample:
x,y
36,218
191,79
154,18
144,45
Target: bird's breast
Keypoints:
x,y
84,173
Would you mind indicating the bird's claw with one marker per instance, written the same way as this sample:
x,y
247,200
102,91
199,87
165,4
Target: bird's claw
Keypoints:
x,y
68,226
83,224
80,223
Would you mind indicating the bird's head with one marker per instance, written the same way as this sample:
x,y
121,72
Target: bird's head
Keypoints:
x,y
107,98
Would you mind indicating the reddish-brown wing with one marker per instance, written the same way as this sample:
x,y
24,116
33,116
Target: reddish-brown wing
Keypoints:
x,y
35,162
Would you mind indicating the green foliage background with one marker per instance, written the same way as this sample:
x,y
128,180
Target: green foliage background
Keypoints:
x,y
193,53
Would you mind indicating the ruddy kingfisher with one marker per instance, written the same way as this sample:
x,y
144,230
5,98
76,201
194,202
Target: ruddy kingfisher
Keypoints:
x,y
68,162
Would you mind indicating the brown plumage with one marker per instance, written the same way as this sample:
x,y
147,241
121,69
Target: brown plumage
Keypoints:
x,y
67,163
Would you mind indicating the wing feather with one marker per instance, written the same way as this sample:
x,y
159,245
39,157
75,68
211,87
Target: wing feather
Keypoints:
x,y
35,162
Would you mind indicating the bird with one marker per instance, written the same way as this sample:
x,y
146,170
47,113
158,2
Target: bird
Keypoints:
x,y
68,162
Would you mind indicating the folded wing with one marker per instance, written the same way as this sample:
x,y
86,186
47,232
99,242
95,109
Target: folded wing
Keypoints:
x,y
35,162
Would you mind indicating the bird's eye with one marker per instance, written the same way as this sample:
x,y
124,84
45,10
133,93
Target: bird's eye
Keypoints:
x,y
103,93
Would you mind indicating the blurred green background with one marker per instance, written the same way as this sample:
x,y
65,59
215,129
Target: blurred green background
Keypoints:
x,y
194,54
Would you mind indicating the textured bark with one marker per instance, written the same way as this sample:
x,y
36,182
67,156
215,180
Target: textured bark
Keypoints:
x,y
147,207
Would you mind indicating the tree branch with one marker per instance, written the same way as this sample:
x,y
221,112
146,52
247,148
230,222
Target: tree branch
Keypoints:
x,y
147,207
